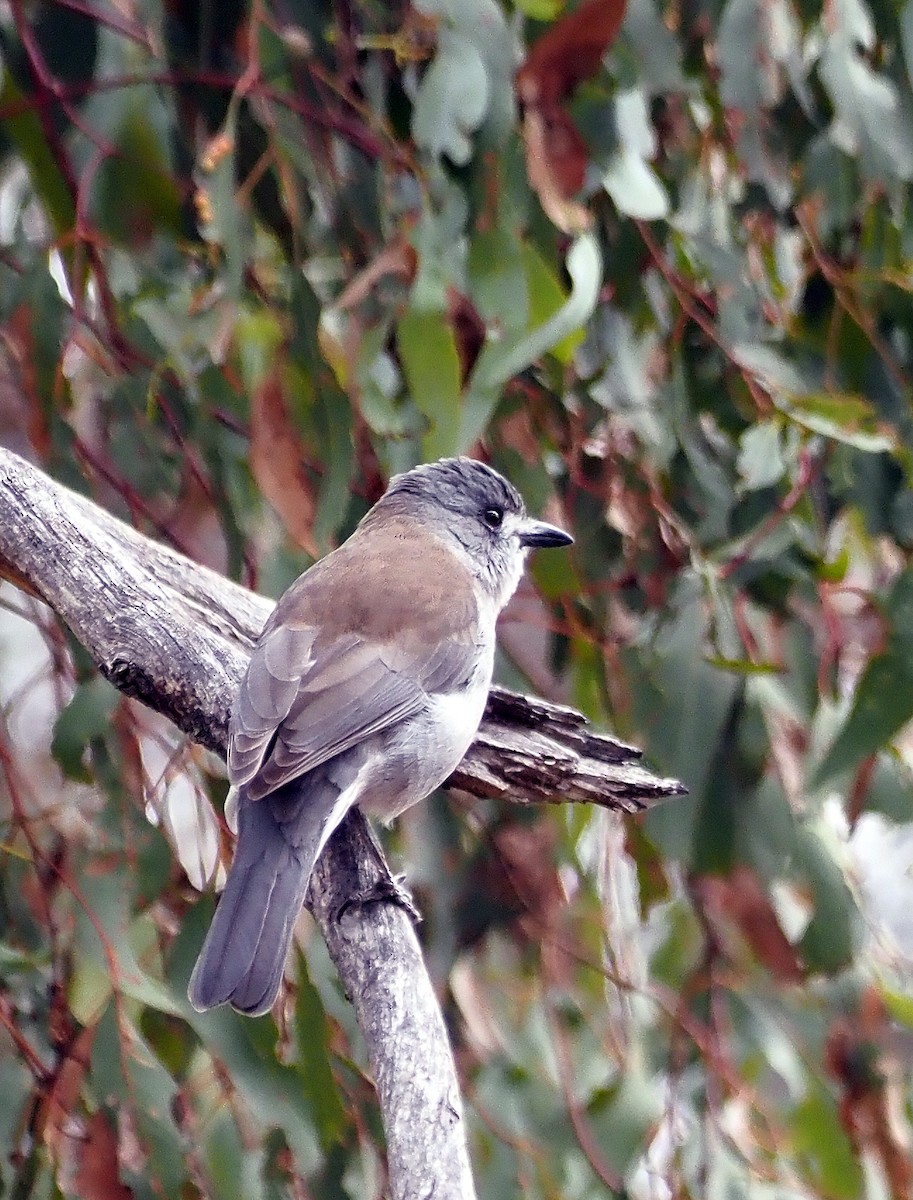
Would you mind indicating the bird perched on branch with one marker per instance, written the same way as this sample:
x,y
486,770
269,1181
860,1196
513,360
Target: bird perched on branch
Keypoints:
x,y
366,687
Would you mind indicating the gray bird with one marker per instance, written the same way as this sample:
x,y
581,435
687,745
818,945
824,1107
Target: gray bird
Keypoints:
x,y
366,687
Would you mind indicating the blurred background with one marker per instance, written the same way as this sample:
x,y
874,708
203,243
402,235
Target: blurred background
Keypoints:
x,y
653,261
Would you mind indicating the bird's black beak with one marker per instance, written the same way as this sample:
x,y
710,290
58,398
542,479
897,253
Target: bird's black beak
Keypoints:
x,y
538,533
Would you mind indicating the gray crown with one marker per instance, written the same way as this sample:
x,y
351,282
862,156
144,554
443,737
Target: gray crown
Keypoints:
x,y
460,485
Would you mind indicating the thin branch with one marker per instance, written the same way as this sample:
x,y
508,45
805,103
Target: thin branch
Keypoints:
x,y
378,145
109,18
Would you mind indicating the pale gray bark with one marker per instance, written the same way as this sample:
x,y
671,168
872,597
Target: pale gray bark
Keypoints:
x,y
177,636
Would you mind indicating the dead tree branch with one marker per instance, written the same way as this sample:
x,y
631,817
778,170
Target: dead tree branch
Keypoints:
x,y
177,637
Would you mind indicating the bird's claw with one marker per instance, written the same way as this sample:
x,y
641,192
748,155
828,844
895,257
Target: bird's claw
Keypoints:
x,y
388,888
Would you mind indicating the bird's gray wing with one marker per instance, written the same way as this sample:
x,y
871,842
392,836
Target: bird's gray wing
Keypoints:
x,y
307,697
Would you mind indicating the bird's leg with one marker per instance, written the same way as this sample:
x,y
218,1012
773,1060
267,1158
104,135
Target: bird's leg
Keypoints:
x,y
390,888
387,887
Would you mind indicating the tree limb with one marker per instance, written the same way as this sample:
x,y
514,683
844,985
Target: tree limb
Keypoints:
x,y
177,637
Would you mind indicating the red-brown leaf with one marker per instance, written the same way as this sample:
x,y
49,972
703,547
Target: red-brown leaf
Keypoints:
x,y
740,899
570,51
556,157
277,462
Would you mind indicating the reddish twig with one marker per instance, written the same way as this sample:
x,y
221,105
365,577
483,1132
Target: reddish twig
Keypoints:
x,y
586,1139
111,19
837,278
360,137
694,304
136,503
29,1054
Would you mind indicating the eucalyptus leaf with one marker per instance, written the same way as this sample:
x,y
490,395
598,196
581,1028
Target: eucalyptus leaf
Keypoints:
x,y
883,702
499,362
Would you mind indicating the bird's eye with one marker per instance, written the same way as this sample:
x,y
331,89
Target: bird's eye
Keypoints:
x,y
493,517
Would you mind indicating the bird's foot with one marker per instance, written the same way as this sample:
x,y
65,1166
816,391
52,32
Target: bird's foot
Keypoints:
x,y
390,888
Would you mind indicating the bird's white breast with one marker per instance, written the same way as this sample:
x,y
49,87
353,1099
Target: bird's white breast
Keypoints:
x,y
420,753
458,714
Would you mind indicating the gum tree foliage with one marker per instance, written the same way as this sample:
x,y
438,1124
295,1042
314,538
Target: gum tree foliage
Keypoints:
x,y
653,263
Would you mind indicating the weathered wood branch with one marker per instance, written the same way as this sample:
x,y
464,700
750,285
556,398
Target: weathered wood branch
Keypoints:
x,y
177,637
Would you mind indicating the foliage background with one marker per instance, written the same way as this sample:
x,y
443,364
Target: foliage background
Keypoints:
x,y
255,258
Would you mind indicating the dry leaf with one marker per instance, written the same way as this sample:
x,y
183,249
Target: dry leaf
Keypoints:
x,y
740,899
556,155
468,330
88,1166
570,51
556,158
277,462
397,259
872,1081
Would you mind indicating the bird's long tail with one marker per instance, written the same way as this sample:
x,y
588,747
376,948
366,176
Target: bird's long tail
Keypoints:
x,y
244,953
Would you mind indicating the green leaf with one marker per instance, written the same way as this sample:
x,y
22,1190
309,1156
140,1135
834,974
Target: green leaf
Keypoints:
x,y
760,463
26,131
332,418
622,1118
126,1073
432,366
559,332
497,269
634,186
541,10
689,736
883,702
831,937
548,297
258,336
319,406
821,1142
468,89
109,937
452,99
234,1169
246,1049
134,189
834,570
87,716
890,790
871,119
742,666
898,1004
313,1060
841,416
